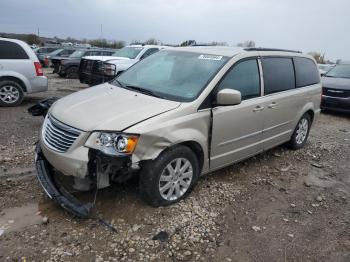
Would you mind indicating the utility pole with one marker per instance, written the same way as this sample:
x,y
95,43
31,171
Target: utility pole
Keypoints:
x,y
38,32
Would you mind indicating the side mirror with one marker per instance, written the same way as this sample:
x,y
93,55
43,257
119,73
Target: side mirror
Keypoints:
x,y
228,97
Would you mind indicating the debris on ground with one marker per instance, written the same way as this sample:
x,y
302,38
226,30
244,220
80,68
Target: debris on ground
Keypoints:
x,y
162,236
256,228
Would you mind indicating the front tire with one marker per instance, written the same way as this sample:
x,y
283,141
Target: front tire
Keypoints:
x,y
11,93
72,72
301,132
170,177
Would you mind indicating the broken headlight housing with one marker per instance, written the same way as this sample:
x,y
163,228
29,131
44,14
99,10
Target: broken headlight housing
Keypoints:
x,y
113,144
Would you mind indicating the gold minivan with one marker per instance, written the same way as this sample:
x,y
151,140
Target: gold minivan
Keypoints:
x,y
176,115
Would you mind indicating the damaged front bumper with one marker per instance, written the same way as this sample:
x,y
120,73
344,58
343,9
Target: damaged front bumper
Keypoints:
x,y
101,169
55,191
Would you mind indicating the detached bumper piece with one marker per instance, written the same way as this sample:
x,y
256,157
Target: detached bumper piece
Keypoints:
x,y
56,192
41,108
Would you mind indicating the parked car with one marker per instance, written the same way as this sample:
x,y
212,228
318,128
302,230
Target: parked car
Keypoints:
x,y
175,115
45,60
20,72
41,52
324,68
98,69
69,66
336,89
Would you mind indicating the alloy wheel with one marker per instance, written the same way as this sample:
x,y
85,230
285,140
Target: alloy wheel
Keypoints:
x,y
303,128
175,179
9,94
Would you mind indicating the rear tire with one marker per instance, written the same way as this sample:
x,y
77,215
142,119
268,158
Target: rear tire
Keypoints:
x,y
11,93
301,133
72,72
170,177
62,74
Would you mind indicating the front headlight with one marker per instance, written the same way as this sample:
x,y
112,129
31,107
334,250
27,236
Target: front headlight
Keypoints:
x,y
112,143
109,69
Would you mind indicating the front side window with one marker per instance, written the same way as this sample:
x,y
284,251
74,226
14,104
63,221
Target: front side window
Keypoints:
x,y
149,52
10,50
243,77
129,52
66,52
174,75
106,53
278,74
340,71
93,53
306,72
77,54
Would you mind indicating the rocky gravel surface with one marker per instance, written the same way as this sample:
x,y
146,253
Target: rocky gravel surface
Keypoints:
x,y
281,205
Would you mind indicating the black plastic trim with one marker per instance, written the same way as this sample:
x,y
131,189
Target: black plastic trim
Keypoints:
x,y
271,49
55,192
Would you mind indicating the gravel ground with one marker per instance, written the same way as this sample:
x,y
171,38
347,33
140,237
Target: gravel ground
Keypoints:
x,y
281,205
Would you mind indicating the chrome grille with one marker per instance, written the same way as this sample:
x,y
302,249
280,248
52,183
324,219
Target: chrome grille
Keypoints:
x,y
57,135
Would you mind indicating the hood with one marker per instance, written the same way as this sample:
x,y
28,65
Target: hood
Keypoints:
x,y
105,58
336,83
108,107
119,61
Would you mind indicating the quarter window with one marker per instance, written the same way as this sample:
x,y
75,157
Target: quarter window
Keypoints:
x,y
10,50
278,74
243,77
306,72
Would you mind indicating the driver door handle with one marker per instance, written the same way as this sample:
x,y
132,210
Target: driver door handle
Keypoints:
x,y
258,108
273,105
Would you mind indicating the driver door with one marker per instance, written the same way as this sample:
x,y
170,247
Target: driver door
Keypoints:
x,y
237,129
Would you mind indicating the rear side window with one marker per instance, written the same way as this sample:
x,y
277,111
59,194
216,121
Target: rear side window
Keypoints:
x,y
278,74
306,72
10,50
243,77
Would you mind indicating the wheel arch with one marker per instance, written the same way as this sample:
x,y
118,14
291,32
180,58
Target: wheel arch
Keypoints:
x,y
193,145
15,79
308,108
311,113
197,150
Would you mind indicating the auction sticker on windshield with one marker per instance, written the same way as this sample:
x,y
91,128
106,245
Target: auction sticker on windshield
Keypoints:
x,y
210,57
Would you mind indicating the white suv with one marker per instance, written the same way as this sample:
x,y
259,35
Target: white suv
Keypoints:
x,y
96,70
20,72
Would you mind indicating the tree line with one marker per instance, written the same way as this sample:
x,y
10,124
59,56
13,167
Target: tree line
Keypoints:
x,y
40,41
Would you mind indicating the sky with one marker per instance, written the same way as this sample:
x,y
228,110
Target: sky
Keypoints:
x,y
305,25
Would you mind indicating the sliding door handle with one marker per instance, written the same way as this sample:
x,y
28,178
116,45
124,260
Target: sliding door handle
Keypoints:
x,y
273,105
258,108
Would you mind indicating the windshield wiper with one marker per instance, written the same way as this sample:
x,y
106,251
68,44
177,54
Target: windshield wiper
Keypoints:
x,y
119,83
143,91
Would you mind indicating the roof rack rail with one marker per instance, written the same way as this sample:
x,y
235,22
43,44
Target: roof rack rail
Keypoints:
x,y
270,49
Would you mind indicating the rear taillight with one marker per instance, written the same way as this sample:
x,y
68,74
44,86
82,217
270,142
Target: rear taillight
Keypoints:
x,y
38,69
46,61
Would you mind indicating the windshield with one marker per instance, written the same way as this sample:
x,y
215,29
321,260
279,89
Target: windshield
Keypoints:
x,y
56,52
77,54
129,52
341,71
173,75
